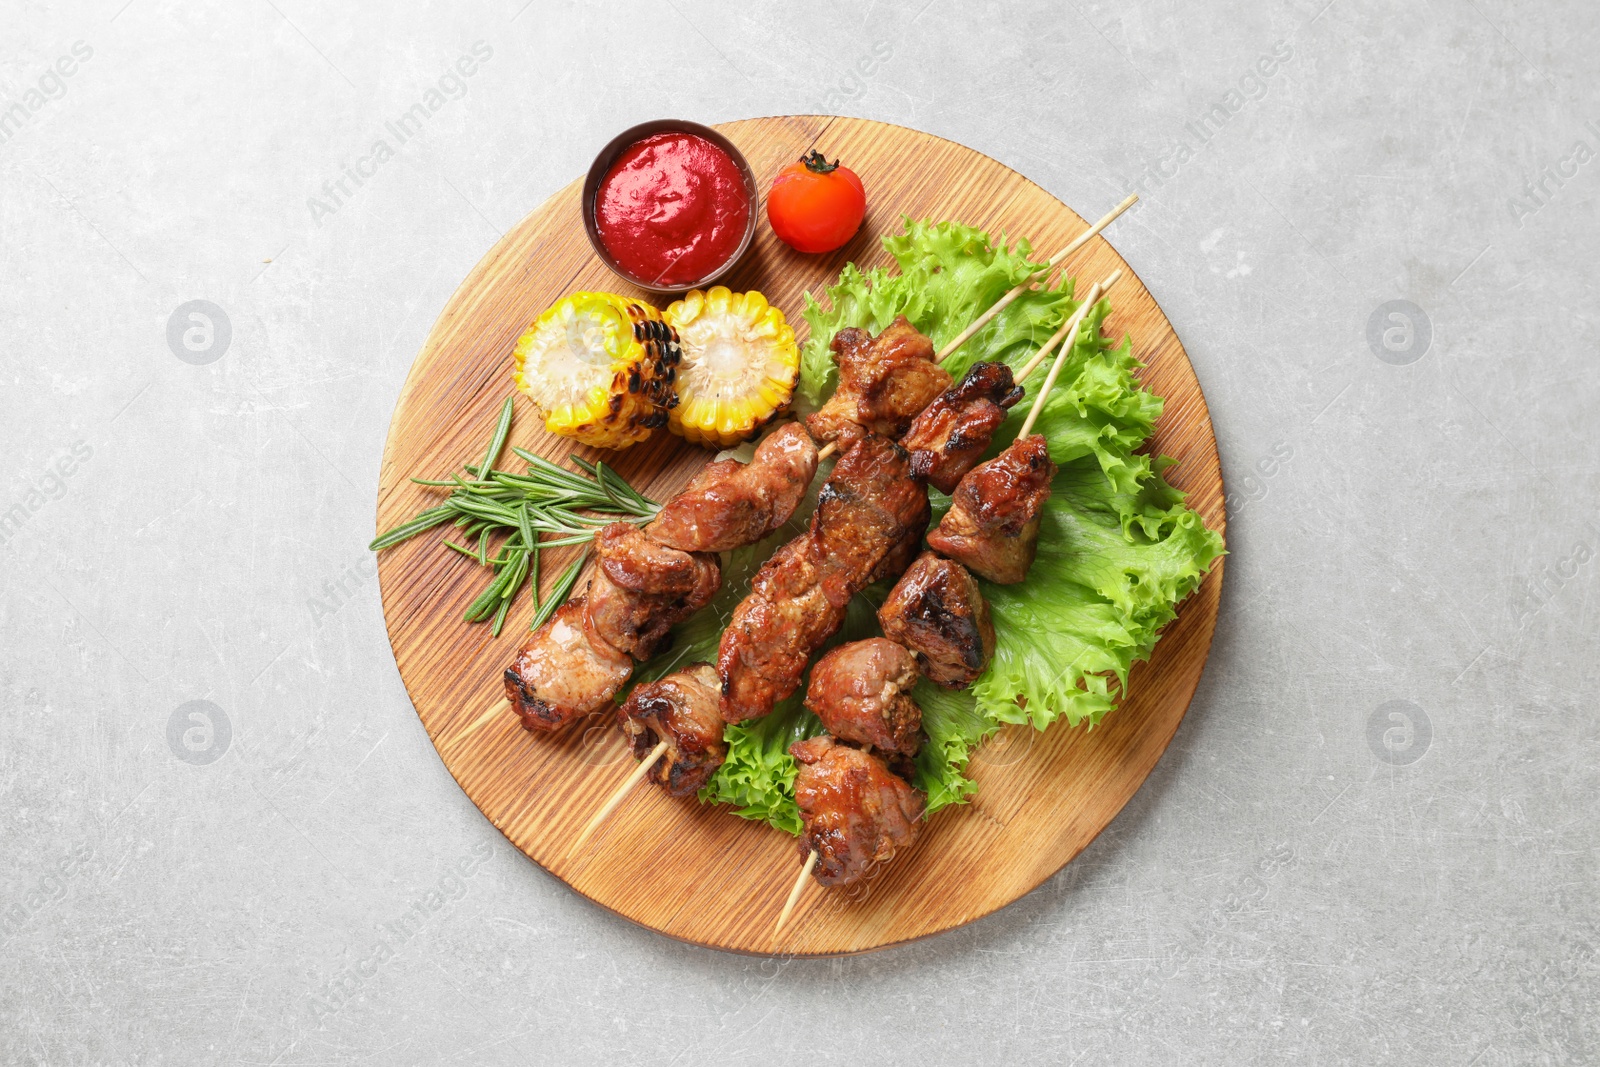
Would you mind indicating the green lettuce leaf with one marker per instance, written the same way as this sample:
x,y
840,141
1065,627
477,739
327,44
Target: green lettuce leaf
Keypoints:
x,y
758,776
1111,570
955,727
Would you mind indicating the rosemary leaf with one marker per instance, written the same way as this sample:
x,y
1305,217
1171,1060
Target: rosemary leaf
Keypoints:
x,y
558,595
502,430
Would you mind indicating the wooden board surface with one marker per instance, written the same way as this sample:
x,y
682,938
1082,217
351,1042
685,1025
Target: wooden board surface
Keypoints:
x,y
699,873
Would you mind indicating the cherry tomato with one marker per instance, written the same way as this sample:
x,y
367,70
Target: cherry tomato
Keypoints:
x,y
814,205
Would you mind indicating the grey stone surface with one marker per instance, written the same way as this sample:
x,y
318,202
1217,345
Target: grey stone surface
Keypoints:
x,y
1304,878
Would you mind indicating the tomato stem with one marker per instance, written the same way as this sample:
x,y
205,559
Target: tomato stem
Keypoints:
x,y
817,163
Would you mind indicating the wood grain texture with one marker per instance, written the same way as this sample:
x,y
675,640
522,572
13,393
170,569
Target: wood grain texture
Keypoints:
x,y
698,873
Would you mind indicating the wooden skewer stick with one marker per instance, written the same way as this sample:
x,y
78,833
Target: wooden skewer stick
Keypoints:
x,y
1061,358
794,894
616,798
502,706
1070,326
1005,301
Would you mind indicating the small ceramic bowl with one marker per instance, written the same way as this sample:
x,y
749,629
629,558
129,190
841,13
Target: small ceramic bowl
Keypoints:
x,y
620,144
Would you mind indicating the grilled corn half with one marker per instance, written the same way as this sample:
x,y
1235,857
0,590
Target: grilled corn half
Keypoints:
x,y
599,367
739,365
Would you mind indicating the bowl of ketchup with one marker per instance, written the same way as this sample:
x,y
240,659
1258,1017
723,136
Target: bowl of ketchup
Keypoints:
x,y
670,205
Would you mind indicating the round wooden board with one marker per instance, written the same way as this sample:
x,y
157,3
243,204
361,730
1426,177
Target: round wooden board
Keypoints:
x,y
695,872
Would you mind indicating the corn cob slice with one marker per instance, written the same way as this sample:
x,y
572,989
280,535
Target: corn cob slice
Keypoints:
x,y
599,368
739,365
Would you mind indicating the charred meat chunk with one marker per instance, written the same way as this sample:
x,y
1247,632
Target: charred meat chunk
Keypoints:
x,y
641,589
729,504
774,630
680,709
565,670
856,812
871,513
992,527
950,435
884,382
937,611
860,691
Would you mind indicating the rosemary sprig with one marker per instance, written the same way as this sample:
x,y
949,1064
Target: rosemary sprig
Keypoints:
x,y
545,500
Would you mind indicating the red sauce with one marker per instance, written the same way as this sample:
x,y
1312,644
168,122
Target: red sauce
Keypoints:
x,y
672,209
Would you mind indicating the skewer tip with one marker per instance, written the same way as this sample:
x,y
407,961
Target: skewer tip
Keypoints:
x,y
794,894
500,707
617,797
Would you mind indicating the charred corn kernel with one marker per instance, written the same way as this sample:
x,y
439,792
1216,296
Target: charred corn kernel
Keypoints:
x,y
739,365
599,367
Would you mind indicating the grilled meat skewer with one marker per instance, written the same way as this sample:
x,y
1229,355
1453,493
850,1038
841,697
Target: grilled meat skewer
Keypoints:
x,y
730,504
641,589
564,670
855,810
992,527
869,510
950,435
884,381
938,610
647,581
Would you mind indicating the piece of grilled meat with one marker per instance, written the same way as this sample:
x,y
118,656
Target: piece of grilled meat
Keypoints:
x,y
950,435
861,690
731,504
855,810
884,382
992,527
680,709
871,513
937,611
564,670
787,616
641,589
867,511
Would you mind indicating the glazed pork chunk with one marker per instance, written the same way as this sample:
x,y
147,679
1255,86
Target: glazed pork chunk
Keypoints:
x,y
680,709
861,690
856,812
565,670
992,527
950,435
871,513
937,611
731,504
641,589
884,382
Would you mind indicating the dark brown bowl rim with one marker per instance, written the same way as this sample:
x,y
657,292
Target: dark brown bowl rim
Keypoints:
x,y
626,139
